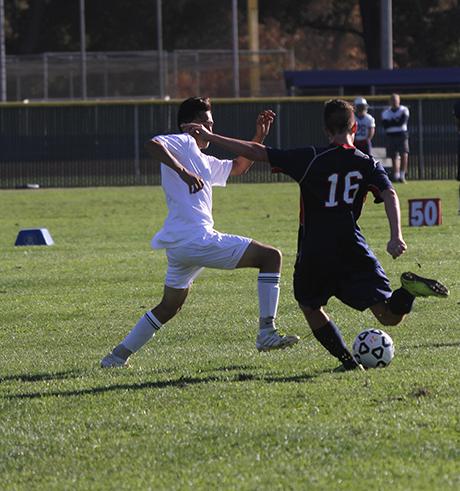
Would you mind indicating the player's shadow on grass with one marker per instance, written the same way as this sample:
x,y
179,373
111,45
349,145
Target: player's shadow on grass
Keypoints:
x,y
453,344
40,377
229,368
181,382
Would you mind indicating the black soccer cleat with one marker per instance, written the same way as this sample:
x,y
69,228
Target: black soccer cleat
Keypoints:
x,y
349,362
342,368
423,287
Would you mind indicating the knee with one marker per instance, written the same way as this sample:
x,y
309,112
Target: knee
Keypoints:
x,y
273,258
390,319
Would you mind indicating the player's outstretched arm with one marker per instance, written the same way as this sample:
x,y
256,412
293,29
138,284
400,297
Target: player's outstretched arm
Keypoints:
x,y
159,152
250,150
396,245
241,164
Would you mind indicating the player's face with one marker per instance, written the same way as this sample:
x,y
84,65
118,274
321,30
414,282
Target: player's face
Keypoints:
x,y
395,101
205,118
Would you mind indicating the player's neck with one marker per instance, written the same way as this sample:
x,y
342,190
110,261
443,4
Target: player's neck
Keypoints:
x,y
201,144
343,139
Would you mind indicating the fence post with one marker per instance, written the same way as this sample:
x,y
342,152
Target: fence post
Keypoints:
x,y
18,81
278,132
45,76
421,157
71,87
106,78
197,72
137,168
176,75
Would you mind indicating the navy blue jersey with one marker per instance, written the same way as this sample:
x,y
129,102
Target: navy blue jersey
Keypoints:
x,y
333,256
334,181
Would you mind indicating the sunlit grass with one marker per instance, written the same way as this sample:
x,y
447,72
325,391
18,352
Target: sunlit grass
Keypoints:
x,y
200,408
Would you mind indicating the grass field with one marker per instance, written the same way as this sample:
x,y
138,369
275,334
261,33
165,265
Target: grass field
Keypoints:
x,y
200,408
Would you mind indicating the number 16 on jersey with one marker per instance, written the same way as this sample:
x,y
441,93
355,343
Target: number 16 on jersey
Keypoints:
x,y
425,212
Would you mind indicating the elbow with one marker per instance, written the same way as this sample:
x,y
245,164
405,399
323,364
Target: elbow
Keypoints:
x,y
390,196
259,154
239,170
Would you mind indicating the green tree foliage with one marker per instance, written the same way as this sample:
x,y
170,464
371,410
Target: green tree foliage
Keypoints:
x,y
324,33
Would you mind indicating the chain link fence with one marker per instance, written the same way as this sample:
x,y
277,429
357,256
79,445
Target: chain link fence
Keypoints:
x,y
98,144
142,74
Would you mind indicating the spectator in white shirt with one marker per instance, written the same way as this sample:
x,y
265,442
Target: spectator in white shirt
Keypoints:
x,y
394,121
366,126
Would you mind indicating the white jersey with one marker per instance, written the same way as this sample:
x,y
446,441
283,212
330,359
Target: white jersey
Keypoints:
x,y
365,123
189,214
395,121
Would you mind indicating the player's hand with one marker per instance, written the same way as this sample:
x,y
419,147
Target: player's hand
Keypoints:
x,y
195,183
396,247
263,124
196,129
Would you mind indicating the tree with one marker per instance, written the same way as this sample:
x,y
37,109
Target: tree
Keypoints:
x,y
324,33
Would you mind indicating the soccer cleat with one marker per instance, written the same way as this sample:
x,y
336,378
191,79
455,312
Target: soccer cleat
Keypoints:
x,y
422,287
342,368
113,361
274,340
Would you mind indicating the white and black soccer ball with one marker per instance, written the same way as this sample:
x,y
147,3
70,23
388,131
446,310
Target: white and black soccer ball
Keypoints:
x,y
373,348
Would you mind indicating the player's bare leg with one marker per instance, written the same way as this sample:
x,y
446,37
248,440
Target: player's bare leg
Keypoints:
x,y
392,311
268,260
146,327
404,167
385,316
396,167
328,334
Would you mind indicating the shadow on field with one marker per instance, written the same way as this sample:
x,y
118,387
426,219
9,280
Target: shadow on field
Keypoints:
x,y
453,344
181,382
39,377
229,368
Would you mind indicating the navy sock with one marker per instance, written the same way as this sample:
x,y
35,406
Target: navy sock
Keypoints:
x,y
400,302
331,338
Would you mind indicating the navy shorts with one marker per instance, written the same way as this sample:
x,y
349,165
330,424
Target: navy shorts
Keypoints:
x,y
352,274
397,144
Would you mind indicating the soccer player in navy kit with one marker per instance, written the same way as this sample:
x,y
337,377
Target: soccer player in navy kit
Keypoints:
x,y
333,257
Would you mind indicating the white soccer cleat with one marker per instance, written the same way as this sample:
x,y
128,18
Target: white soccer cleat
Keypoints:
x,y
274,340
113,361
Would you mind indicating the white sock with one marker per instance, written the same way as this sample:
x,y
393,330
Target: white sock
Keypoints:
x,y
142,332
397,175
268,286
402,174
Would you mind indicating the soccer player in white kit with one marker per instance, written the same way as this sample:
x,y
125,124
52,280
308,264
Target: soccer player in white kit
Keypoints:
x,y
366,126
189,237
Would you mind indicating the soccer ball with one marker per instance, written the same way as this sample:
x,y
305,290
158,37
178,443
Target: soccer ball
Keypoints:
x,y
373,348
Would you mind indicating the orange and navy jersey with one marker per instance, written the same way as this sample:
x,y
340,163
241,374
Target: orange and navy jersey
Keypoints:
x,y
334,181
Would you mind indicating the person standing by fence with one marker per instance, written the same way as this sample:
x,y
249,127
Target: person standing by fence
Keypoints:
x,y
394,121
366,126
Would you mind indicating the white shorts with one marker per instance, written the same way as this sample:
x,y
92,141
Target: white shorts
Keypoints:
x,y
215,250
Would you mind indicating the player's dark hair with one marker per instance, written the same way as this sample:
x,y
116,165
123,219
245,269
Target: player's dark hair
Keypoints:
x,y
338,116
191,108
